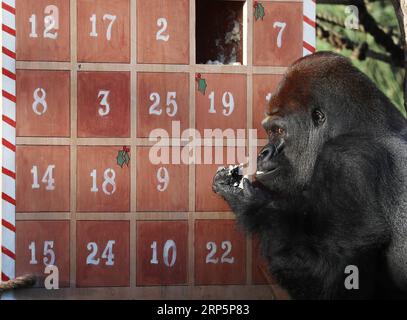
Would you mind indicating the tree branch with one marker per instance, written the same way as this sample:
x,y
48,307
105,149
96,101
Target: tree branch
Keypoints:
x,y
380,37
335,21
359,51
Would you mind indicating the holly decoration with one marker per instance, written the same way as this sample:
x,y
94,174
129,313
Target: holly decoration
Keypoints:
x,y
201,83
259,12
123,157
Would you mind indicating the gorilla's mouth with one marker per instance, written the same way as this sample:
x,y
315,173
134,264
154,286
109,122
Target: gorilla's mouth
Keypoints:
x,y
263,174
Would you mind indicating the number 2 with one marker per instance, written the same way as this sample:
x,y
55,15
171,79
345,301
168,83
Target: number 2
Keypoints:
x,y
163,24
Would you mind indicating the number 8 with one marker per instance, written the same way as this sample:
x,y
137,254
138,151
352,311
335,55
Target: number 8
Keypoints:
x,y
39,101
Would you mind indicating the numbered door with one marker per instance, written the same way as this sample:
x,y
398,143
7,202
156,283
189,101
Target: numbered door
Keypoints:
x,y
161,186
43,103
211,159
220,253
103,251
42,179
104,104
162,252
103,179
42,30
263,87
163,31
278,37
104,31
43,243
162,102
220,101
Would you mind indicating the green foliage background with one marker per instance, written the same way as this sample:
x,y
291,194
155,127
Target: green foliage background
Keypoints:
x,y
387,78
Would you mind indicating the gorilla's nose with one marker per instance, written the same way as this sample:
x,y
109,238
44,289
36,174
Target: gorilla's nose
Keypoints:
x,y
266,153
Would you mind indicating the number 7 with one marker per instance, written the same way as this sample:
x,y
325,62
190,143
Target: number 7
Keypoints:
x,y
109,28
282,26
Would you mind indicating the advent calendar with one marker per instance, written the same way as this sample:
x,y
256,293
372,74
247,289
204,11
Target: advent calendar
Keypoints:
x,y
86,83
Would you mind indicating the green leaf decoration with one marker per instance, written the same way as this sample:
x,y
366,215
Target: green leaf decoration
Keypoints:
x,y
202,85
123,158
259,12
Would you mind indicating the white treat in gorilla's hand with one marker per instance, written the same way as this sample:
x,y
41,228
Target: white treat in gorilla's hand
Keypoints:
x,y
237,174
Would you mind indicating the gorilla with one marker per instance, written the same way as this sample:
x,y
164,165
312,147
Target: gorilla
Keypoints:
x,y
331,186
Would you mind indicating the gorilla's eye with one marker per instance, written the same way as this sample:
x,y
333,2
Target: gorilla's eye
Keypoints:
x,y
275,130
318,116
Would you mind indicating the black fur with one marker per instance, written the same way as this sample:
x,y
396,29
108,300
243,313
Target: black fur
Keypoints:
x,y
335,189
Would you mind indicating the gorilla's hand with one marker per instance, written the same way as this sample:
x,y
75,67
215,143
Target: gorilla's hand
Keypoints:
x,y
241,200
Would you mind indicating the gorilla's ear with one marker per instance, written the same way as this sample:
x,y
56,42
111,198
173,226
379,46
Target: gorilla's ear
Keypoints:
x,y
318,117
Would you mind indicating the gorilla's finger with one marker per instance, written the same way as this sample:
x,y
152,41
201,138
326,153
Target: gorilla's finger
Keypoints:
x,y
248,189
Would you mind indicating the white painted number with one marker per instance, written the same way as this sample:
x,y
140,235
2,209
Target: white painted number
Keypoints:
x,y
51,23
211,246
168,246
107,253
228,103
109,17
33,21
105,106
109,179
92,19
226,246
154,109
49,254
163,178
163,24
171,96
282,26
109,28
93,248
171,107
39,100
46,179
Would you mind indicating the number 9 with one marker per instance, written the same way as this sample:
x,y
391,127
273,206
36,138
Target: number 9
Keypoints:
x,y
163,178
228,104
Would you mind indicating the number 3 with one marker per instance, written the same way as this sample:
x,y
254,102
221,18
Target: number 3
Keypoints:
x,y
104,103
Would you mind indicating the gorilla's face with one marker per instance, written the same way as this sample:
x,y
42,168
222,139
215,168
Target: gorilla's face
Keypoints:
x,y
296,130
